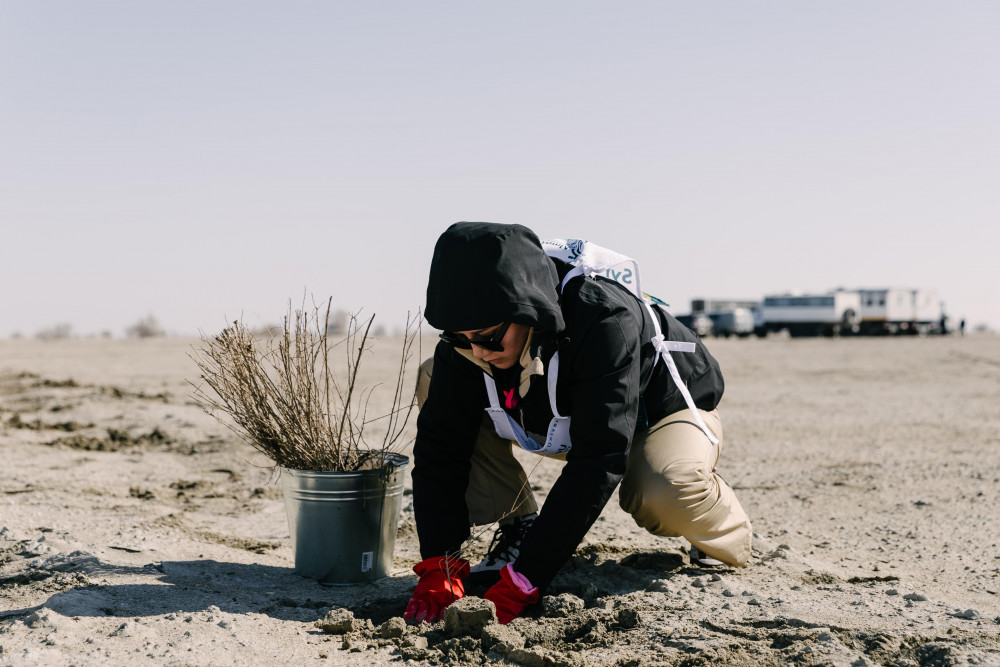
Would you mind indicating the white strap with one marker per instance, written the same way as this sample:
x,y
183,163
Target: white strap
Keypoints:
x,y
656,325
551,381
663,347
491,391
675,345
573,273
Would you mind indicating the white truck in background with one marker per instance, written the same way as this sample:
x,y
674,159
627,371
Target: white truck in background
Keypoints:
x,y
900,310
839,312
832,314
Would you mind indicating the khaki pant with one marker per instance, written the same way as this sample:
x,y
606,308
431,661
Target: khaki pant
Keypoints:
x,y
670,486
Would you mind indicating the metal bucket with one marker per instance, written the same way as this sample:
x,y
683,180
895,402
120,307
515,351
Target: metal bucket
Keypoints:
x,y
343,524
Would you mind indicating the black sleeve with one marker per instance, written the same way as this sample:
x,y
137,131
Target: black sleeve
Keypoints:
x,y
605,396
447,427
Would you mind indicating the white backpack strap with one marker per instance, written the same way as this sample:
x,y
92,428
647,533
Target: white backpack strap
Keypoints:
x,y
573,273
664,348
491,391
551,380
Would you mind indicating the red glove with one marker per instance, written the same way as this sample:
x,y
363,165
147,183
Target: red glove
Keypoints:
x,y
511,595
440,584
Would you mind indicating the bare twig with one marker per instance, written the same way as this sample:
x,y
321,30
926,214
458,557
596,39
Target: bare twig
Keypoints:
x,y
281,395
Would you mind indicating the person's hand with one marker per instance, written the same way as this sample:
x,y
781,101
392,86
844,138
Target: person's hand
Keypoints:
x,y
511,595
440,584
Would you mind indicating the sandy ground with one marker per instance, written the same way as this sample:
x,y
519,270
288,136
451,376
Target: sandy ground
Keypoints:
x,y
134,529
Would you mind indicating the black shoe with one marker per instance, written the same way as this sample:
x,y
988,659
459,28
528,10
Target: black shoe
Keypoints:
x,y
504,548
700,559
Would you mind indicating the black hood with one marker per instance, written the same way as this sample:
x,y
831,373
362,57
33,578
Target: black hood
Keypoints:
x,y
484,273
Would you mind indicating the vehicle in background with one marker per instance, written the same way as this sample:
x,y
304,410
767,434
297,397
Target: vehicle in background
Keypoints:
x,y
735,322
700,323
833,314
901,310
839,312
928,312
759,326
710,306
729,316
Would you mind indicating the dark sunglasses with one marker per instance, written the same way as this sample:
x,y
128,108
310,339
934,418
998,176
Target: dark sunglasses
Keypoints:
x,y
494,343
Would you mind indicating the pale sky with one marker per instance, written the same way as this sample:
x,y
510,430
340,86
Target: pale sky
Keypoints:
x,y
203,161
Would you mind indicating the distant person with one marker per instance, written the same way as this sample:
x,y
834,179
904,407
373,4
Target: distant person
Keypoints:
x,y
536,354
961,327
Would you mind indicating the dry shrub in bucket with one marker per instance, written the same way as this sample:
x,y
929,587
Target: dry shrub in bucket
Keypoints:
x,y
281,395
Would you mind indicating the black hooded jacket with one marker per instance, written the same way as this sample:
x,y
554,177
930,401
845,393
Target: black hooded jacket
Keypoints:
x,y
609,383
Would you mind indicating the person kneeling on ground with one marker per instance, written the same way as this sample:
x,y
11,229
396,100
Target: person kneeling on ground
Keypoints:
x,y
537,354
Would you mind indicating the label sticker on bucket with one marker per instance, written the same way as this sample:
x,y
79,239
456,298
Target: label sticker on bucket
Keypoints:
x,y
366,560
